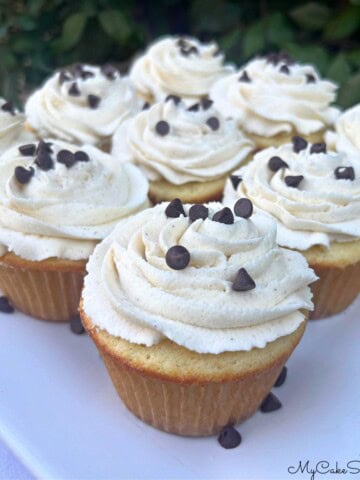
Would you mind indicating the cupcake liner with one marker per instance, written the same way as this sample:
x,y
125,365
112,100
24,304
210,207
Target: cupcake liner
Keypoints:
x,y
335,290
52,295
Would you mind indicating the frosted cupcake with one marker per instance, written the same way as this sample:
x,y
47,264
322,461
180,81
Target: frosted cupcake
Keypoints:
x,y
185,152
183,67
314,196
57,201
273,99
82,104
12,130
346,137
195,310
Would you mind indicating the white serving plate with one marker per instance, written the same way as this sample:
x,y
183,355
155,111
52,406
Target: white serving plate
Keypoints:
x,y
60,414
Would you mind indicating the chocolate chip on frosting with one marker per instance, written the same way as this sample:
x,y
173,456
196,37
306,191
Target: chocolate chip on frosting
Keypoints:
x,y
146,106
74,90
64,77
8,107
243,282
213,123
310,78
198,211
93,101
224,216
66,157
174,98
162,128
235,181
243,208
44,147
109,71
23,175
281,378
5,305
276,163
244,77
194,108
318,148
85,74
182,43
229,437
270,403
27,150
81,156
186,51
293,180
44,160
344,173
206,103
175,209
285,69
299,143
177,257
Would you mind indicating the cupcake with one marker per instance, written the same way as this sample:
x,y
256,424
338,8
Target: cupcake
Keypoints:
x,y
314,196
57,202
274,99
82,104
178,66
194,312
185,153
12,130
346,137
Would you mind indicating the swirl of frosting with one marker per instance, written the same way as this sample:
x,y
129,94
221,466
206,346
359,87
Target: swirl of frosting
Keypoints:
x,y
11,126
141,299
63,210
83,104
268,98
198,146
346,137
321,209
181,66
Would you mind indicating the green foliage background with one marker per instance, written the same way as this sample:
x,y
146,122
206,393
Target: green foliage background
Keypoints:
x,y
37,36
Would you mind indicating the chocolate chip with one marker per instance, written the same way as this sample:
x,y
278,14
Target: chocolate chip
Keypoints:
x,y
299,143
194,108
74,90
213,123
318,148
243,208
85,74
23,175
64,77
243,282
8,107
44,147
293,180
244,77
344,173
5,305
198,211
270,403
310,78
109,71
93,101
146,106
182,43
174,98
281,378
76,325
27,150
186,51
66,157
276,163
229,437
162,128
77,69
235,180
44,161
278,57
175,209
206,103
224,216
285,69
177,257
81,156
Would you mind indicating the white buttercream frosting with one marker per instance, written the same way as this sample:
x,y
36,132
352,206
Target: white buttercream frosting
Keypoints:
x,y
185,67
321,210
131,292
192,151
64,212
272,102
54,112
11,126
346,137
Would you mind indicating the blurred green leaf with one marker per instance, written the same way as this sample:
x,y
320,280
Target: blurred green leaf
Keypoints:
x,y
311,16
254,39
115,24
22,44
349,93
72,31
309,54
278,30
343,24
339,69
354,57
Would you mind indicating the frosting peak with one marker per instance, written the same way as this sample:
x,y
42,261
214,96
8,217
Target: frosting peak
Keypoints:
x,y
11,126
346,137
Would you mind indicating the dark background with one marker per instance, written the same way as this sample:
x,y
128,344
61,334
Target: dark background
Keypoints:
x,y
37,36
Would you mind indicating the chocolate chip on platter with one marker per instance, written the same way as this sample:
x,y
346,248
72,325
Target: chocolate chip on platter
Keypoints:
x,y
5,305
270,403
229,437
281,378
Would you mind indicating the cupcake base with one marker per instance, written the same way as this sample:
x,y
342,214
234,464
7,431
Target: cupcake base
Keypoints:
x,y
338,269
48,290
187,393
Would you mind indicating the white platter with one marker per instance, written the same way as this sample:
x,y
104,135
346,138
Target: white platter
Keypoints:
x,y
61,417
